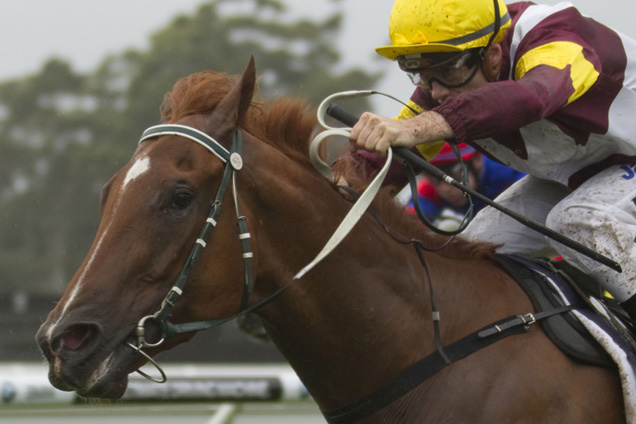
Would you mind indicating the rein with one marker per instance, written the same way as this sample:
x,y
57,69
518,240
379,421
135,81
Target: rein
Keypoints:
x,y
443,356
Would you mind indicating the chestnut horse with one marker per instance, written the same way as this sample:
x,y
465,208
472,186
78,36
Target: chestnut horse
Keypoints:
x,y
348,327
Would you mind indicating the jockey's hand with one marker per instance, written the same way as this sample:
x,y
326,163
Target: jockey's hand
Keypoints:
x,y
376,133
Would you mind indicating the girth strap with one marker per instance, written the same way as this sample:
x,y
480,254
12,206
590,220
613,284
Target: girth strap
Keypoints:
x,y
419,372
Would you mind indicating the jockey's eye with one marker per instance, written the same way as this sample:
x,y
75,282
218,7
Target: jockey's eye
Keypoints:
x,y
181,200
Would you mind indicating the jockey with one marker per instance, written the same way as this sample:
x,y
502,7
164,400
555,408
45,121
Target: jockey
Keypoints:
x,y
438,199
542,89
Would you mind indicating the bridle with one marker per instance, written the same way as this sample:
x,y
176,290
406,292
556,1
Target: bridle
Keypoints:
x,y
233,163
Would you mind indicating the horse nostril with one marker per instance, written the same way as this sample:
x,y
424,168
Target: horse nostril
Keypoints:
x,y
76,337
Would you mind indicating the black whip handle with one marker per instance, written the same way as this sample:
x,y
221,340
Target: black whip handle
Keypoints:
x,y
342,115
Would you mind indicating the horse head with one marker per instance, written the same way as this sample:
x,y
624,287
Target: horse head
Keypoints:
x,y
153,210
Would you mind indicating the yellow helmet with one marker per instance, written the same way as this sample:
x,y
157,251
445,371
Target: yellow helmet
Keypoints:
x,y
431,26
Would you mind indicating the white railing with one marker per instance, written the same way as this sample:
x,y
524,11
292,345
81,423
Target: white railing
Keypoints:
x,y
209,394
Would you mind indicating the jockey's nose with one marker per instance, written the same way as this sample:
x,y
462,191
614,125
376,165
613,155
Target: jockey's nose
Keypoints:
x,y
439,92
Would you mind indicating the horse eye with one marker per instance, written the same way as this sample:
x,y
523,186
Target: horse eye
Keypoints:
x,y
181,200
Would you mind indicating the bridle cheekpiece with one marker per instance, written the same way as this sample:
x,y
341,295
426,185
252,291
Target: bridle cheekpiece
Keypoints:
x,y
233,162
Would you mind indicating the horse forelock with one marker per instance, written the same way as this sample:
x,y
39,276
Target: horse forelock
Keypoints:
x,y
195,94
286,123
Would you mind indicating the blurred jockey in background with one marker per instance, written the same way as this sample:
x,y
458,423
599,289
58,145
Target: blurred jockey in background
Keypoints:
x,y
445,205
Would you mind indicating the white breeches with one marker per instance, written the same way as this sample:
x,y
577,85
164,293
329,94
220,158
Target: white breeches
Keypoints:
x,y
600,214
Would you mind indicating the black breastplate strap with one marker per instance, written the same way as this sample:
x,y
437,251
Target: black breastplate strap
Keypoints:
x,y
417,373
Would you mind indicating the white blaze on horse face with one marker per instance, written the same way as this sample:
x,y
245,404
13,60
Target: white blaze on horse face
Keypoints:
x,y
141,166
79,284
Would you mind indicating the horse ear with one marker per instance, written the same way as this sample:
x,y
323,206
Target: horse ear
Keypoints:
x,y
230,111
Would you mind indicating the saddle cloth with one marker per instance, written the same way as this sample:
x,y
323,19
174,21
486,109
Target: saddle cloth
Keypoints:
x,y
583,333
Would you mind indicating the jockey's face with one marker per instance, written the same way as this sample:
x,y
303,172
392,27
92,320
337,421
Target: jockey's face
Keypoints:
x,y
487,70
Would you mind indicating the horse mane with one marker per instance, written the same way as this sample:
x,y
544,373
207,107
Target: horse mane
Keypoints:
x,y
405,223
287,124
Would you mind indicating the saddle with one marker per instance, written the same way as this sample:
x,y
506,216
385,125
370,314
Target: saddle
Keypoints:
x,y
550,284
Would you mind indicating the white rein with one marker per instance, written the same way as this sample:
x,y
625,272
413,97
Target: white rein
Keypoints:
x,y
363,202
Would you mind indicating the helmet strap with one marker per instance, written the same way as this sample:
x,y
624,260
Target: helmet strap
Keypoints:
x,y
497,26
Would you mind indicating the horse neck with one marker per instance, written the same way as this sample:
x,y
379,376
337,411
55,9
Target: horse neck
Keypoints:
x,y
363,314
354,323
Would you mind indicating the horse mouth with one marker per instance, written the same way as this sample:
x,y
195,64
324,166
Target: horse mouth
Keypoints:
x,y
108,379
95,363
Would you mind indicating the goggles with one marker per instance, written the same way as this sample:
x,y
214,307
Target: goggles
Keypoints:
x,y
451,70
